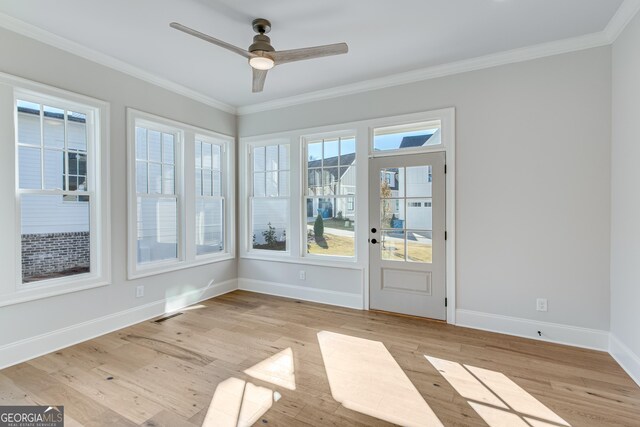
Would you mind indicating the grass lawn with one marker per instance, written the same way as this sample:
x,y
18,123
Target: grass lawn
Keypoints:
x,y
336,245
417,252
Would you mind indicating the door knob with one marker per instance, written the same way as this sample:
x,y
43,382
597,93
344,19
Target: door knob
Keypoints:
x,y
374,241
373,230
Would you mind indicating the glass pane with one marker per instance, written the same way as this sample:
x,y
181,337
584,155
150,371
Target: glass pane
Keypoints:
x,y
206,155
82,164
328,231
284,157
82,183
314,182
314,154
141,143
54,169
76,131
155,146
55,237
347,146
331,152
141,177
29,167
419,181
392,182
283,183
259,182
348,180
155,178
53,127
392,213
198,182
157,229
73,163
206,182
209,226
272,157
217,183
418,214
269,219
198,154
168,180
28,123
419,247
344,217
73,183
168,148
404,137
258,159
330,180
392,245
272,184
216,154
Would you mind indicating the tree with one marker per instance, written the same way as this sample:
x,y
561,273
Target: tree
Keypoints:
x,y
269,235
318,227
387,209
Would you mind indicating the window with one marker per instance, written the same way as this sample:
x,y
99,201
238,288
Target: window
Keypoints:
x,y
414,137
178,197
269,197
330,197
156,197
210,206
61,192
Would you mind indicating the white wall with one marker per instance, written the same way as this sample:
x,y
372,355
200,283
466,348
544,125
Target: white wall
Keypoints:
x,y
625,201
533,179
36,61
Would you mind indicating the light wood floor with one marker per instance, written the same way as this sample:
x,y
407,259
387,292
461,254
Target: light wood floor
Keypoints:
x,y
164,374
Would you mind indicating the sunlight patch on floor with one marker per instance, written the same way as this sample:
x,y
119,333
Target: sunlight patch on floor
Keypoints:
x,y
237,403
496,398
365,377
278,370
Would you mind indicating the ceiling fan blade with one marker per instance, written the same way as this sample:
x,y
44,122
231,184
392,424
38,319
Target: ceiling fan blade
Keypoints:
x,y
210,39
259,76
284,56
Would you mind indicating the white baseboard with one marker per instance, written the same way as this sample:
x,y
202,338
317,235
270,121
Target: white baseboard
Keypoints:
x,y
342,299
626,358
551,332
29,348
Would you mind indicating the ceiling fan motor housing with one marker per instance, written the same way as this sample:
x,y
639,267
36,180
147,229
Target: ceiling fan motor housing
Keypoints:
x,y
261,42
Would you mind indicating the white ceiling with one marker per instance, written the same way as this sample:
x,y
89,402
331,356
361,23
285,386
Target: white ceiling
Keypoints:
x,y
385,37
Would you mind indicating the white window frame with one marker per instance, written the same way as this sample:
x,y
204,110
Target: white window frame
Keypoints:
x,y
250,196
305,141
185,192
12,89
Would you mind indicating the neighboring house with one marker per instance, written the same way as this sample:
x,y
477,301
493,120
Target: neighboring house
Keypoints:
x,y
337,177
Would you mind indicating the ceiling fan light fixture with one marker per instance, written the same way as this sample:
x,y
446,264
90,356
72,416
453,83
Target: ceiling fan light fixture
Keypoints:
x,y
261,62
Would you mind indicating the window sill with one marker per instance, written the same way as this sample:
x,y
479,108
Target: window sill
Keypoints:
x,y
176,266
333,263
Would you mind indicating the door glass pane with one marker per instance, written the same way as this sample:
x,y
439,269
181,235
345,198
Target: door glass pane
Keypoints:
x,y
209,230
392,245
392,213
419,246
418,214
392,182
419,181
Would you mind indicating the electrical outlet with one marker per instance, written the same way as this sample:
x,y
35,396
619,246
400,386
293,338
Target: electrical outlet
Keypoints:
x,y
541,304
302,275
139,291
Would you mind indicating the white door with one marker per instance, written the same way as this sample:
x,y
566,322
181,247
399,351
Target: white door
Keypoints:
x,y
407,234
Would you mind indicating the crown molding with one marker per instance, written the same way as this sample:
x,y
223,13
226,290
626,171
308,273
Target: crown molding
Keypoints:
x,y
31,31
488,61
626,12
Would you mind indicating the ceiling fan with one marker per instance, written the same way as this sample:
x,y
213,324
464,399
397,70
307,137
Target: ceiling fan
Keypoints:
x,y
261,55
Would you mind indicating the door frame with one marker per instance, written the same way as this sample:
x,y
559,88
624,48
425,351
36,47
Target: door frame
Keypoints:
x,y
448,146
